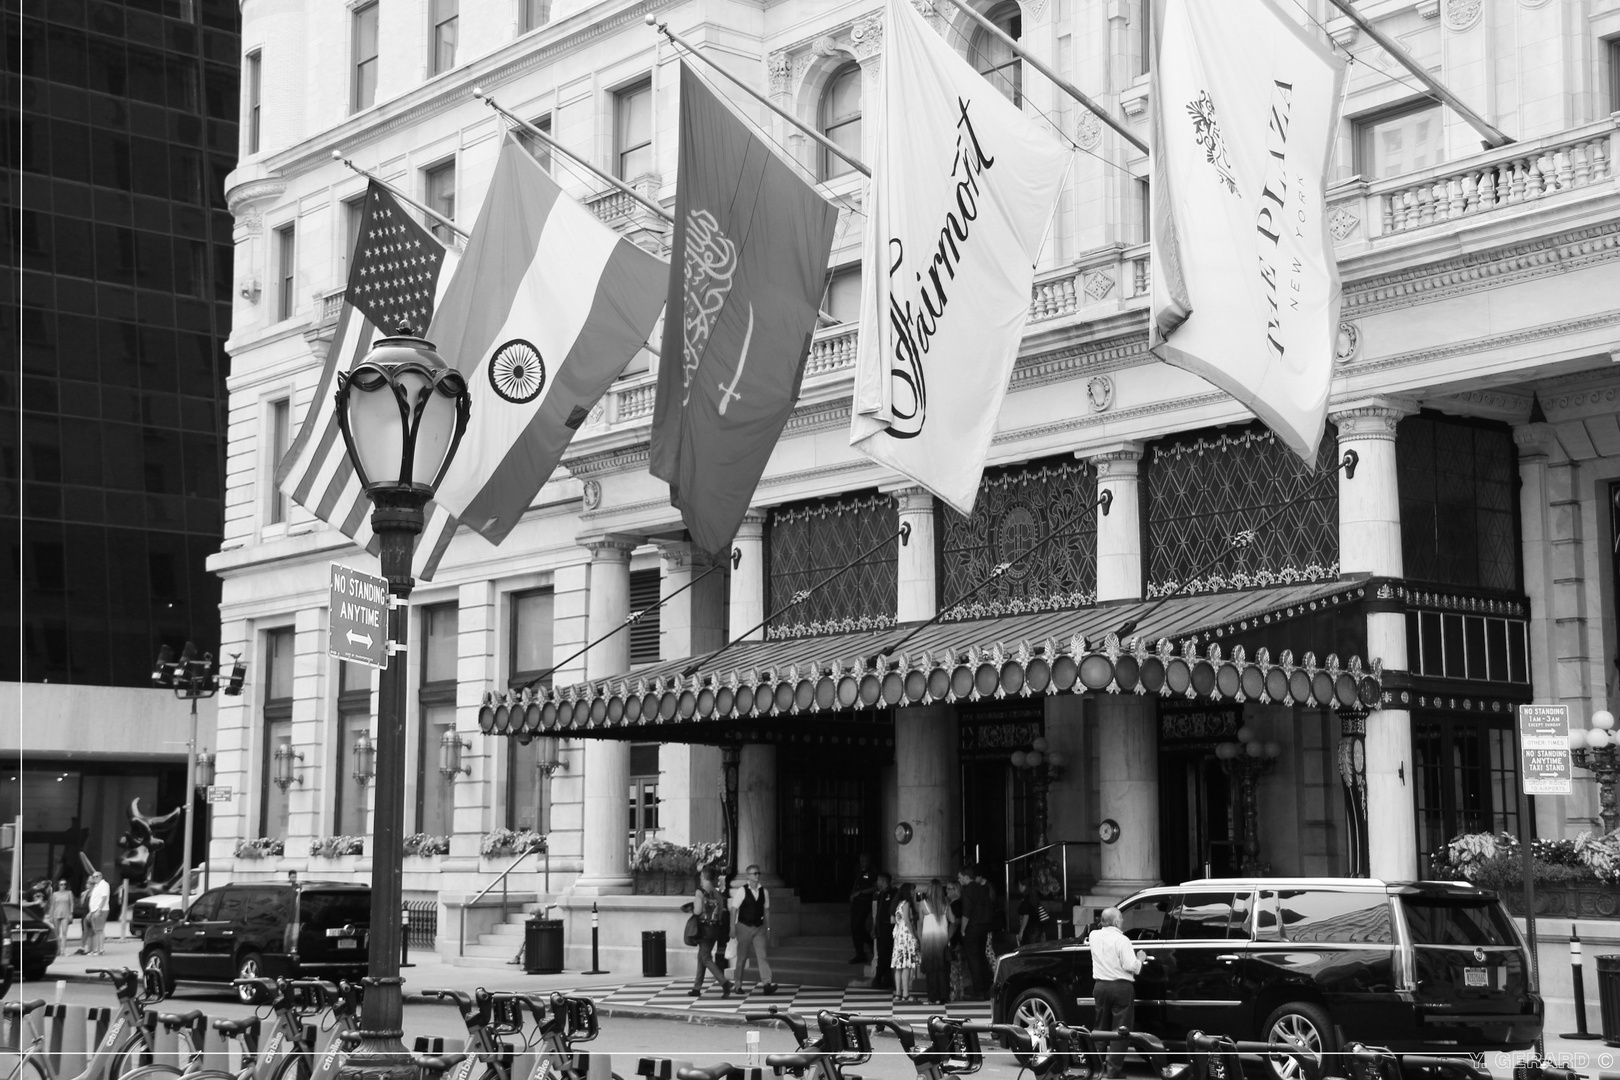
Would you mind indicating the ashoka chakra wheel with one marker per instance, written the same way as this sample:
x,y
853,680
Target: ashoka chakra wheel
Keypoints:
x,y
516,372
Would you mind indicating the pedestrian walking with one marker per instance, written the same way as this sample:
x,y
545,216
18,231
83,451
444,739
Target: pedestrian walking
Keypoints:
x,y
709,906
906,956
934,941
978,919
100,904
1114,966
751,926
860,908
60,912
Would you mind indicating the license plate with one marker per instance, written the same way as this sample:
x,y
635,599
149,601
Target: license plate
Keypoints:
x,y
1475,976
350,943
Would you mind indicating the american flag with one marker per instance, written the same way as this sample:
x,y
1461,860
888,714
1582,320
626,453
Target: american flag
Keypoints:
x,y
395,277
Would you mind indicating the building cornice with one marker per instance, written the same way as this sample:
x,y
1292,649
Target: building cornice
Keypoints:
x,y
1452,349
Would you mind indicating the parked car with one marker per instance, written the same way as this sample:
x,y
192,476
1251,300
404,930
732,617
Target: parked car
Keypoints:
x,y
303,929
161,906
33,941
1437,967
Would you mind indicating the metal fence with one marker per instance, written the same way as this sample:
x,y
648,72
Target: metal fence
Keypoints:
x,y
424,928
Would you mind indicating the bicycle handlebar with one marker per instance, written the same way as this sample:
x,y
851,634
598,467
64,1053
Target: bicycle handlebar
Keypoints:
x,y
1011,1036
907,1037
794,1021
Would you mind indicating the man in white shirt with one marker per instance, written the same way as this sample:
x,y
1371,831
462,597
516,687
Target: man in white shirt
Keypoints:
x,y
1114,965
100,903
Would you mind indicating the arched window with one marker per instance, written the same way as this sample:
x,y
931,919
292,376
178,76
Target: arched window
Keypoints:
x,y
994,60
840,119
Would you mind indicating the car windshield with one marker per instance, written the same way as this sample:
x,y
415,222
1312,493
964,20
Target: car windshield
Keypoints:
x,y
1434,921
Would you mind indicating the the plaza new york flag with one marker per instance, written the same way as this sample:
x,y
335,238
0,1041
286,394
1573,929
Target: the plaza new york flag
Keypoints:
x,y
963,189
547,308
395,274
746,276
1245,287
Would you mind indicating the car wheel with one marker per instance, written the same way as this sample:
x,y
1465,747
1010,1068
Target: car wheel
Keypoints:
x,y
1038,1011
34,974
250,966
1305,1025
156,963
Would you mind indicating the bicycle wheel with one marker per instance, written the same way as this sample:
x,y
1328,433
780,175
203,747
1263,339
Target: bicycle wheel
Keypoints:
x,y
154,1072
135,1053
296,1066
29,1069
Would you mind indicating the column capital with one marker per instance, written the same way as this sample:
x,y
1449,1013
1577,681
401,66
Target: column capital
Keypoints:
x,y
1536,441
1370,418
677,554
1115,459
910,498
609,546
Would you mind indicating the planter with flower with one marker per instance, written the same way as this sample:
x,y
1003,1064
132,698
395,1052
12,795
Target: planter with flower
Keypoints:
x,y
1578,879
260,847
342,850
660,868
507,843
425,845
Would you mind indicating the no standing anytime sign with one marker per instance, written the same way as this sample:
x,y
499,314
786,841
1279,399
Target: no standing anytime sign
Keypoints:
x,y
358,623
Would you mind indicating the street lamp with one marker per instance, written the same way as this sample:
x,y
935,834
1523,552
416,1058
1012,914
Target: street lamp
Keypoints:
x,y
402,412
193,679
1246,760
1597,749
1044,765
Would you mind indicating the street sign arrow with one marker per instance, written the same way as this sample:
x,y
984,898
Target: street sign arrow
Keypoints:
x,y
358,639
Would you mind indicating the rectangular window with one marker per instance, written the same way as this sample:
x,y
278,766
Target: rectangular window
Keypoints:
x,y
364,92
644,633
632,131
280,439
278,706
1613,45
354,212
446,14
643,794
1145,42
441,197
530,765
1401,140
1467,779
354,719
538,147
435,792
1144,195
254,72
536,13
843,301
286,267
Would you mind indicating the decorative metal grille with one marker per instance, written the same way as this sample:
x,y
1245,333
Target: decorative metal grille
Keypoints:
x,y
1206,495
807,542
1459,502
1017,508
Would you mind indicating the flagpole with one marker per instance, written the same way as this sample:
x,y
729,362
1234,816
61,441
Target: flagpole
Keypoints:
x,y
337,155
517,121
1062,84
826,143
904,535
1494,137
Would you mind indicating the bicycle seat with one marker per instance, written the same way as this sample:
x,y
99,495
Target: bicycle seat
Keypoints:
x,y
441,1063
796,1062
176,1021
21,1008
721,1071
235,1029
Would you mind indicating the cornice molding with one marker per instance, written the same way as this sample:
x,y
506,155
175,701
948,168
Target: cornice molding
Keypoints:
x,y
1486,344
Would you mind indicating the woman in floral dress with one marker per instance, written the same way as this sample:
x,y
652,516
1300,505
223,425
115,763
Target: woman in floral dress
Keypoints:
x,y
906,956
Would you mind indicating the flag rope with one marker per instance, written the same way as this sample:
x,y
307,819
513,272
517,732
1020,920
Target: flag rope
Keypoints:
x,y
630,620
903,534
1237,540
337,155
1104,500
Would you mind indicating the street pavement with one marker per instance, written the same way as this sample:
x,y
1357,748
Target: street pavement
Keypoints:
x,y
661,1020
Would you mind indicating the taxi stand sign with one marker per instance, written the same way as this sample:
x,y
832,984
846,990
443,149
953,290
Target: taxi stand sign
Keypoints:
x,y
1545,766
357,621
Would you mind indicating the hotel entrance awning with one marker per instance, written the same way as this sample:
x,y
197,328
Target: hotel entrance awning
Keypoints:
x,y
837,684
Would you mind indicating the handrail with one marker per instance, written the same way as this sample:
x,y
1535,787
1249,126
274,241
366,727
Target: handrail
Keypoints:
x,y
461,938
1007,872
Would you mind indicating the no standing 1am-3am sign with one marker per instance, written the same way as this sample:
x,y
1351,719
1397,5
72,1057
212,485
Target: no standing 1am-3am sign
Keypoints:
x,y
357,627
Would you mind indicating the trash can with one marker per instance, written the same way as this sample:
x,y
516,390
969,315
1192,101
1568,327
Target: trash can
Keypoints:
x,y
654,962
1608,979
542,946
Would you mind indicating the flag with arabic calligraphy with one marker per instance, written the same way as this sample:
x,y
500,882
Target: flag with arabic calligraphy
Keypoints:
x,y
747,272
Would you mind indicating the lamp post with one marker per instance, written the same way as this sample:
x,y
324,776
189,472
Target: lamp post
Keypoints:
x,y
1044,765
402,412
193,679
1597,749
1246,761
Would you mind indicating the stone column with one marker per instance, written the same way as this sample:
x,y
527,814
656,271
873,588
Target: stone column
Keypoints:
x,y
1119,532
918,592
1128,791
756,822
607,761
1370,542
928,790
748,576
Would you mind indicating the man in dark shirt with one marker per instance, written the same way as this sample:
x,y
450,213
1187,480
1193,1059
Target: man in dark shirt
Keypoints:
x,y
883,901
978,919
860,907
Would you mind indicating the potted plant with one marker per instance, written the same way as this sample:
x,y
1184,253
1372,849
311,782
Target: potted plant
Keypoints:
x,y
661,868
259,847
333,847
499,843
1573,878
426,845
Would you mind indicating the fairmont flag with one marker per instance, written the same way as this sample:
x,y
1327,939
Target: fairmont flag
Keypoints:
x,y
963,189
1245,287
746,277
396,272
547,308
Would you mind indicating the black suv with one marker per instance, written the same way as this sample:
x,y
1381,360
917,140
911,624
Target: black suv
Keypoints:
x,y
1427,966
305,929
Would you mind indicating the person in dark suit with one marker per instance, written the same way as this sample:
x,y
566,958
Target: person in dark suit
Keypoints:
x,y
860,907
883,900
978,919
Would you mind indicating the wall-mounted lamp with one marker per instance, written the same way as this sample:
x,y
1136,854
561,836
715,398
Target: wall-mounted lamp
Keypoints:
x,y
549,759
205,769
450,748
365,758
287,763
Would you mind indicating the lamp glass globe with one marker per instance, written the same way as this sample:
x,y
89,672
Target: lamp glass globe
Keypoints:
x,y
1245,734
1597,738
1604,719
1254,748
1039,743
1018,759
1033,759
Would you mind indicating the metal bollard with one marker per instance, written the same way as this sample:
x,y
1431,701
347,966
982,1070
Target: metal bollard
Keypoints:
x,y
596,937
1578,977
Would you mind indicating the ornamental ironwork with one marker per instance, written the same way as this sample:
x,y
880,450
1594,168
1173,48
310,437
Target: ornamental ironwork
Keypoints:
x,y
805,543
1459,501
1207,497
1017,508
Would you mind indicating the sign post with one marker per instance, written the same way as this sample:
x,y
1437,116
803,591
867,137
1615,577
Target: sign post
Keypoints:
x,y
1544,769
357,623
